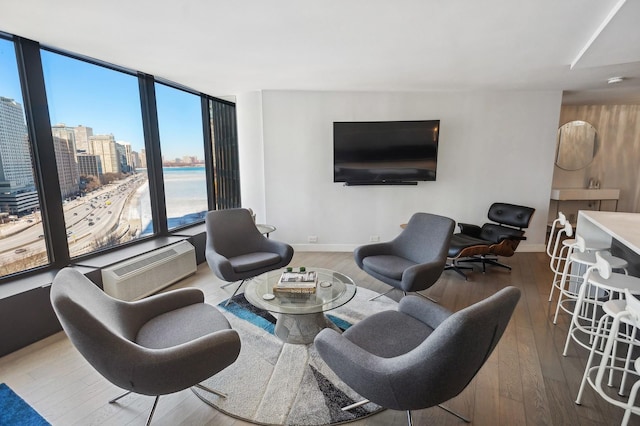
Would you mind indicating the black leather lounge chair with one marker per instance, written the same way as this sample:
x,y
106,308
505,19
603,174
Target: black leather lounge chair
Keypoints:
x,y
484,244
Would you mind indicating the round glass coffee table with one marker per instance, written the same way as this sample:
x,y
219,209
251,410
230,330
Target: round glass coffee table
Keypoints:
x,y
301,317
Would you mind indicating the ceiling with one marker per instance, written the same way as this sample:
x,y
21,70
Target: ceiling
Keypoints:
x,y
224,48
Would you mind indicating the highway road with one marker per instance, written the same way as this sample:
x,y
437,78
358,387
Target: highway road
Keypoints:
x,y
88,220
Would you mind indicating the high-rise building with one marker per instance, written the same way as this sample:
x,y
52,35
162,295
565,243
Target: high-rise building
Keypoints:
x,y
105,147
127,161
82,134
89,165
136,160
17,186
64,145
143,158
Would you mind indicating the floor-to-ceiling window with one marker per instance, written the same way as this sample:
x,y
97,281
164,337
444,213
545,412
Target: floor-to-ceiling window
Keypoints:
x,y
182,148
224,146
98,138
22,239
97,156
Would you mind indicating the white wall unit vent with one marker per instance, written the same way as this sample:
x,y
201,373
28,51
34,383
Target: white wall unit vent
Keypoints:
x,y
146,274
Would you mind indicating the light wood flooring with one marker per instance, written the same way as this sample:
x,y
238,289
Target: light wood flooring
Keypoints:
x,y
526,381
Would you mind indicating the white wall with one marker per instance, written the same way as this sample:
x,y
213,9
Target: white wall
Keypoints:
x,y
251,153
496,146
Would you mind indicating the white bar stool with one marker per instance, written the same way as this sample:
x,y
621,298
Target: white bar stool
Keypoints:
x,y
558,249
611,309
558,255
598,285
578,256
627,314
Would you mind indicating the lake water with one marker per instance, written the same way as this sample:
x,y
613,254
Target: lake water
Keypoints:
x,y
186,193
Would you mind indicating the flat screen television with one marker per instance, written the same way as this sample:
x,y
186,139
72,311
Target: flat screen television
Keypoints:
x,y
385,152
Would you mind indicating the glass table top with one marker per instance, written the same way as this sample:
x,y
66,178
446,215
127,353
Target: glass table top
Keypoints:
x,y
333,290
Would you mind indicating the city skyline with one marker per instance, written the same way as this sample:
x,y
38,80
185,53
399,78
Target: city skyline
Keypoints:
x,y
74,88
96,129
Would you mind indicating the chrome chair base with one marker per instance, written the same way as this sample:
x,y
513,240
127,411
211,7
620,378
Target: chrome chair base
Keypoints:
x,y
235,292
405,293
409,419
155,401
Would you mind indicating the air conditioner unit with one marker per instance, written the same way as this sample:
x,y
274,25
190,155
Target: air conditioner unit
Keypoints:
x,y
143,275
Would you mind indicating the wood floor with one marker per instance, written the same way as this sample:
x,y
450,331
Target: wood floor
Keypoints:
x,y
526,381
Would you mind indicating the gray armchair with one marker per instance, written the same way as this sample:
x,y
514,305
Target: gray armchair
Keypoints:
x,y
237,251
420,355
415,259
155,346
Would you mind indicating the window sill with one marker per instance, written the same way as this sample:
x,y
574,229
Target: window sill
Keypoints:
x,y
22,284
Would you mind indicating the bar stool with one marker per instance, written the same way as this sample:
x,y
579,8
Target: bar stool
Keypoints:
x,y
599,284
611,309
578,256
558,255
558,248
631,407
619,312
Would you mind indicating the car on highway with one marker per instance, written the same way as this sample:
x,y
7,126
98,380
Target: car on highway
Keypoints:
x,y
20,250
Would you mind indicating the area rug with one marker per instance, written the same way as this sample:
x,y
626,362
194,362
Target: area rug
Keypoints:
x,y
273,383
15,411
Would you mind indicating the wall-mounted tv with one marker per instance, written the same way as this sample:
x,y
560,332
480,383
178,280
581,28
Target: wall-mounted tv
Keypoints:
x,y
385,152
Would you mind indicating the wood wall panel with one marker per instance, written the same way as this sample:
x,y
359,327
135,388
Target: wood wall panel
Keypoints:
x,y
617,162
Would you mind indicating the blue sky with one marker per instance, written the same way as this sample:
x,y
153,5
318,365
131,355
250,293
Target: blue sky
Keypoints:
x,y
108,101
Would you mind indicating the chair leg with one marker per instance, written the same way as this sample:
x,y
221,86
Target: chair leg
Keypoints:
x,y
409,419
228,284
458,269
153,410
486,260
207,389
234,293
382,294
425,296
458,415
213,391
494,262
118,397
355,405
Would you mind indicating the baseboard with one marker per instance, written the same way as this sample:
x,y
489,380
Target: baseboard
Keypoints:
x,y
524,248
325,247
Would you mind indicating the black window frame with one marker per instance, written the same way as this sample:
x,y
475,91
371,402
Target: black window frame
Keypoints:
x,y
223,155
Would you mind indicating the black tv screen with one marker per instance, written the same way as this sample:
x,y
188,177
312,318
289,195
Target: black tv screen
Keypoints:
x,y
385,152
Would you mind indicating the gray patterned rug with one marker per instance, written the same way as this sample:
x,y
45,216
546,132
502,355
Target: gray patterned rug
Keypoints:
x,y
273,383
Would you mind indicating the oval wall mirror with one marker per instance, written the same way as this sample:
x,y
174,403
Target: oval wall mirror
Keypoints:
x,y
576,145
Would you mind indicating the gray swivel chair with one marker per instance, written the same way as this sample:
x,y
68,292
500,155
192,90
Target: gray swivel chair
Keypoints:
x,y
155,346
415,259
237,251
420,355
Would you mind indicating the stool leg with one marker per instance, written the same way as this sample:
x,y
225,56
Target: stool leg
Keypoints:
x,y
627,361
555,263
590,360
563,283
593,314
574,317
632,400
